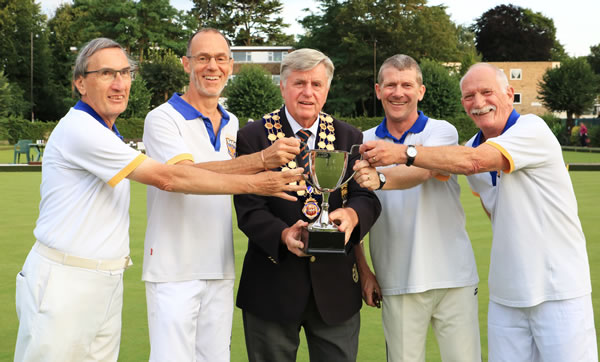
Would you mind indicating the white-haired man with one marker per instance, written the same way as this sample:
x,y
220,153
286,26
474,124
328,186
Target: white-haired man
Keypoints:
x,y
540,305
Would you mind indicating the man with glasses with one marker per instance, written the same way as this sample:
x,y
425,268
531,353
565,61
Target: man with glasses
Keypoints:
x,y
188,254
69,293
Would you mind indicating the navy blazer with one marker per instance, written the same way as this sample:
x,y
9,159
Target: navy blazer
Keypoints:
x,y
275,284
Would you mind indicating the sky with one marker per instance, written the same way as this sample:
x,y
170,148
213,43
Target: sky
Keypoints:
x,y
576,21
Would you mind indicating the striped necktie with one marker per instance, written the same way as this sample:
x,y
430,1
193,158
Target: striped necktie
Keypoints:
x,y
303,135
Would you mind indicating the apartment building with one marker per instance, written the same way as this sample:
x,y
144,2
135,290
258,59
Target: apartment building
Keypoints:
x,y
269,57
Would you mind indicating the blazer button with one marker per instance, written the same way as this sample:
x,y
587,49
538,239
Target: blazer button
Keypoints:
x,y
313,259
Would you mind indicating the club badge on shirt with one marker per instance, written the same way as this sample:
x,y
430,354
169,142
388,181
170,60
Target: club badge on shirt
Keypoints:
x,y
230,146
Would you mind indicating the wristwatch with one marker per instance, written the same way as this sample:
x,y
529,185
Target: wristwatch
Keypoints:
x,y
381,180
411,153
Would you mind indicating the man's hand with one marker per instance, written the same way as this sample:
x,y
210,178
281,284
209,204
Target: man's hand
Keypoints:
x,y
371,292
290,236
277,183
382,153
281,152
346,219
366,176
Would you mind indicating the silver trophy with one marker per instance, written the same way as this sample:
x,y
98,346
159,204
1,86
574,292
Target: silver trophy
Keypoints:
x,y
326,170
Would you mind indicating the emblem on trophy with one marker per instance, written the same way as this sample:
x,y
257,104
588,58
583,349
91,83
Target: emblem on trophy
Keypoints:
x,y
326,170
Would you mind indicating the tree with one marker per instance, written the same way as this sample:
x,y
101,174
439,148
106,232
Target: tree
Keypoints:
x,y
252,93
161,25
442,96
114,19
571,88
139,99
512,33
12,102
594,58
354,32
247,22
163,74
467,49
24,31
63,41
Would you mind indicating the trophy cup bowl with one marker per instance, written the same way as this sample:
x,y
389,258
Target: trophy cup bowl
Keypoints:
x,y
326,170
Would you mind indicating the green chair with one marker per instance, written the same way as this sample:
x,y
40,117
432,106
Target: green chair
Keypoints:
x,y
22,147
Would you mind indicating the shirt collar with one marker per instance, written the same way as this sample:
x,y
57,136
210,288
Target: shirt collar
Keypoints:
x,y
189,112
82,106
512,119
382,131
314,129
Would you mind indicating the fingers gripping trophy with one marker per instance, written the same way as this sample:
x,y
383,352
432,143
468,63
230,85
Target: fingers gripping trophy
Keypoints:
x,y
326,170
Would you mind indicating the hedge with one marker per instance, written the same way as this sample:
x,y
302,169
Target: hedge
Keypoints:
x,y
14,129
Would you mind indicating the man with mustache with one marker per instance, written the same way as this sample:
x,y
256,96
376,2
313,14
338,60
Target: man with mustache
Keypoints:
x,y
540,305
423,260
69,293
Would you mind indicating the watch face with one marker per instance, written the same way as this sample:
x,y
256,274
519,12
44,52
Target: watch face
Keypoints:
x,y
381,178
411,151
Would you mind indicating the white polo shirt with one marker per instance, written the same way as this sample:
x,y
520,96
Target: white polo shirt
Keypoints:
x,y
419,242
84,208
188,237
538,249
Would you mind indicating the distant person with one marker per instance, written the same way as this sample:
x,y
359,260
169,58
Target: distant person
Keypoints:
x,y
583,134
281,288
424,263
69,294
540,305
188,251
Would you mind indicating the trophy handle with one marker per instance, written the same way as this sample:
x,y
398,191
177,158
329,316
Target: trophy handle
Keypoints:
x,y
309,180
353,173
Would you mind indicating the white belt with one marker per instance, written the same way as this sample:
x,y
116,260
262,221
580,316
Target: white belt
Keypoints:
x,y
70,260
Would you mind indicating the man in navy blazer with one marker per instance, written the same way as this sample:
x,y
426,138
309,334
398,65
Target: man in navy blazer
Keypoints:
x,y
281,288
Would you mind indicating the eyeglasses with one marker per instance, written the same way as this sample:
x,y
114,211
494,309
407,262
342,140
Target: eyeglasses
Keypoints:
x,y
108,74
204,58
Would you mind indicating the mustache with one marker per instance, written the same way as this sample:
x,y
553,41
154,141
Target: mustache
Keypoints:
x,y
478,111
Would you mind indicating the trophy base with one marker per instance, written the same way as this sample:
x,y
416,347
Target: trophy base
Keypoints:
x,y
324,241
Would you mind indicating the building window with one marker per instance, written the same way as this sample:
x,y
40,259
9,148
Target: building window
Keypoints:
x,y
276,56
276,78
242,56
515,74
517,98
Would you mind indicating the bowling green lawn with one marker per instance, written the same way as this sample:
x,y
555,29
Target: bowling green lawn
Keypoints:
x,y
19,204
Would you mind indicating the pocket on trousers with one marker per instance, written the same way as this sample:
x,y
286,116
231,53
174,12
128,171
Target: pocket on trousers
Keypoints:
x,y
20,284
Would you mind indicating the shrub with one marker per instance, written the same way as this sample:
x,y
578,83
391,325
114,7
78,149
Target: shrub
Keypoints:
x,y
252,93
442,95
464,126
594,136
556,125
139,99
574,138
14,129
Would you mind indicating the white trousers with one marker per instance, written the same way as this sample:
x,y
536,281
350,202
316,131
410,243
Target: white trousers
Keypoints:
x,y
190,320
560,331
67,313
453,314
